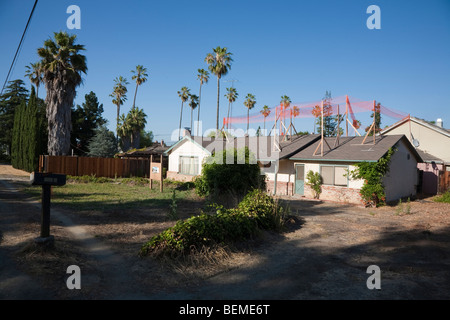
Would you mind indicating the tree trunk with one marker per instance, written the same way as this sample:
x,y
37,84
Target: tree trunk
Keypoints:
x,y
217,116
135,93
248,112
117,123
198,111
181,117
59,102
228,115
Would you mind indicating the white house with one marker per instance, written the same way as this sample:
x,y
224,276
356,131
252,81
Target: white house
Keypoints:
x,y
286,162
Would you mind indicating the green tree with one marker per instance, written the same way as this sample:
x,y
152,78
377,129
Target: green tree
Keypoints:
x,y
231,96
140,75
203,77
265,112
85,119
35,74
146,139
377,114
193,104
103,144
249,103
62,66
219,63
285,103
136,122
124,132
15,93
119,96
184,96
329,121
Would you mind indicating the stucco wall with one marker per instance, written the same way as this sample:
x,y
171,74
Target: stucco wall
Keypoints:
x,y
430,141
186,148
402,179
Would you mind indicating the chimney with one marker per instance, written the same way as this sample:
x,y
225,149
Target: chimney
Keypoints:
x,y
162,143
439,123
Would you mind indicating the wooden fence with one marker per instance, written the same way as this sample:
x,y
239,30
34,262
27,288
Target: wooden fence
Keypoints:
x,y
100,167
444,181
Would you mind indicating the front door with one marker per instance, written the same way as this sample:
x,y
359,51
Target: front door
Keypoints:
x,y
299,179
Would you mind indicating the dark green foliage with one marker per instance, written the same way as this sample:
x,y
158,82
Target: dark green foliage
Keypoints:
x,y
314,180
103,144
29,134
257,211
372,191
85,120
15,94
236,178
146,139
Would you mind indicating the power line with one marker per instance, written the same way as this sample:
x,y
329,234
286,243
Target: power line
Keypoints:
x,y
18,48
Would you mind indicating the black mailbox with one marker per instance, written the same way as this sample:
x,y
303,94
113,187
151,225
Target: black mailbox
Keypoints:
x,y
47,179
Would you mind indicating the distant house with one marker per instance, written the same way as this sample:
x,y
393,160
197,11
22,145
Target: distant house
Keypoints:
x,y
154,152
285,163
432,142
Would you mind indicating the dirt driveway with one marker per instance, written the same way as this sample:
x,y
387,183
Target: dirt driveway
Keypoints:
x,y
326,257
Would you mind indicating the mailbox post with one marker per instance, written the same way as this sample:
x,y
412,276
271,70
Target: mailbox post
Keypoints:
x,y
46,180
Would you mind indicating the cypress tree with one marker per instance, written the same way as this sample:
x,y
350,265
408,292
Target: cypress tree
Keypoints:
x,y
32,133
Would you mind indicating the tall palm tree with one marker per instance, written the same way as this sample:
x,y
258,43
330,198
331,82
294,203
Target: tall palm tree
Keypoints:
x,y
184,96
265,112
249,103
203,77
140,76
62,66
193,104
231,95
136,122
35,74
285,103
119,96
219,63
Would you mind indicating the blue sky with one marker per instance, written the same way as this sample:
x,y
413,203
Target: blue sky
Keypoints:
x,y
295,48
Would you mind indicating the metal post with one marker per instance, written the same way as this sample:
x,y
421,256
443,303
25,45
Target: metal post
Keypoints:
x,y
45,213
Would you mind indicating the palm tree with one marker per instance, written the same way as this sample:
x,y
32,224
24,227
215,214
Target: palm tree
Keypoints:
x,y
265,112
136,122
62,66
140,77
193,104
184,95
231,96
34,73
124,132
203,76
285,103
219,63
249,103
120,96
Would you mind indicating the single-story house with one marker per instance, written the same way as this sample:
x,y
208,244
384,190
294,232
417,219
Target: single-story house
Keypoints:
x,y
286,162
432,142
153,152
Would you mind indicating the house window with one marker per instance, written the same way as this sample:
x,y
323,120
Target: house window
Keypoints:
x,y
188,165
334,175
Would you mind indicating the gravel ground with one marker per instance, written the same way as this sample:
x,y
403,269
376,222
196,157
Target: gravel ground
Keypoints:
x,y
324,255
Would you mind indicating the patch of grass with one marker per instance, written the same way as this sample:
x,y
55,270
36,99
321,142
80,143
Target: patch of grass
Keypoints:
x,y
445,197
90,193
403,208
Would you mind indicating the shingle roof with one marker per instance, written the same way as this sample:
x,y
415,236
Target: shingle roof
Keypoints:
x,y
154,149
350,149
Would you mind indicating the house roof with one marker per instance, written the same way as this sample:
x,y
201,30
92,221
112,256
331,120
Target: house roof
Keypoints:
x,y
422,122
262,146
155,149
350,149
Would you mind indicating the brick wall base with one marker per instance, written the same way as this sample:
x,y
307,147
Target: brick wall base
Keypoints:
x,y
283,188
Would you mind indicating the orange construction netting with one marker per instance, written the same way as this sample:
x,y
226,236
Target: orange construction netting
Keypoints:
x,y
333,106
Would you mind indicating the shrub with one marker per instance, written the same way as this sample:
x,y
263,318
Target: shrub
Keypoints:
x,y
219,177
256,212
445,197
314,180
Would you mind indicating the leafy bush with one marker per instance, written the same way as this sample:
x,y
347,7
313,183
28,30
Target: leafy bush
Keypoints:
x,y
314,180
219,177
445,197
258,211
372,192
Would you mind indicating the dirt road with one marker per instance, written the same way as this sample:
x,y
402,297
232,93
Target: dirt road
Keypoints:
x,y
326,257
